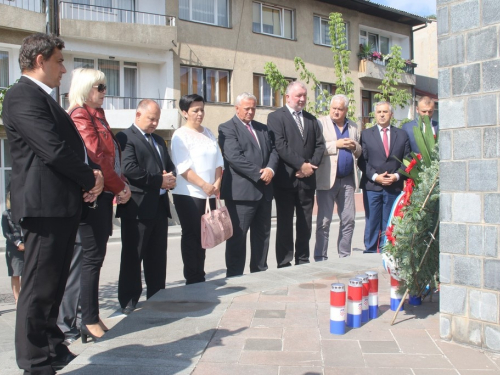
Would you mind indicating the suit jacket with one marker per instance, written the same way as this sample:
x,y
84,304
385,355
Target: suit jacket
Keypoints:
x,y
294,150
144,173
244,158
373,159
327,170
48,155
408,128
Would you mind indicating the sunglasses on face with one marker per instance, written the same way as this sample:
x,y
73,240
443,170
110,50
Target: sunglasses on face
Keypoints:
x,y
100,87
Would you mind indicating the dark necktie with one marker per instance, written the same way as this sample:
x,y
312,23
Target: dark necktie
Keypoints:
x,y
386,142
251,132
299,123
149,137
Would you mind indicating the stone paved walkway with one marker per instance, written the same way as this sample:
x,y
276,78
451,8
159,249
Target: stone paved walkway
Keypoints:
x,y
277,322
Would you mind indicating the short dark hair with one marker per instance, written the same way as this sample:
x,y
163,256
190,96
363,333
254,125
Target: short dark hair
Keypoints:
x,y
37,44
187,100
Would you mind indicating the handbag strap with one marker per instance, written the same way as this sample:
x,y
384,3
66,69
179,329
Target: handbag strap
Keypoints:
x,y
207,206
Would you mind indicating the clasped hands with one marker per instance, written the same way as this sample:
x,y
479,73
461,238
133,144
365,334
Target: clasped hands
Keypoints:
x,y
346,143
169,180
306,170
386,179
91,195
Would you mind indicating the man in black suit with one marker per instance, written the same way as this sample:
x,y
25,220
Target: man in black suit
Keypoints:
x,y
144,218
383,145
50,176
425,107
300,145
250,160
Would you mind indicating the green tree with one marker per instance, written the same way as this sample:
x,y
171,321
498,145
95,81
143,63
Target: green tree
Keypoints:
x,y
389,88
341,57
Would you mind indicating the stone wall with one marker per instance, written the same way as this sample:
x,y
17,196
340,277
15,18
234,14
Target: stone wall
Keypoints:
x,y
469,98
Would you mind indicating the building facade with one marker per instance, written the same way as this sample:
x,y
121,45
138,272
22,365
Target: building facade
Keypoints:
x,y
163,49
469,142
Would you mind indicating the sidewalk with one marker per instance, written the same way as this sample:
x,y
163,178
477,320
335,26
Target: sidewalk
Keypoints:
x,y
275,322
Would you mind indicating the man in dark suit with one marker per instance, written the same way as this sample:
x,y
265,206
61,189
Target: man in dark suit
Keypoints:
x,y
50,173
144,218
383,145
425,107
300,145
250,160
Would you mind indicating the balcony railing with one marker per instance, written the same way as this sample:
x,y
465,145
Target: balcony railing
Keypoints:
x,y
33,5
84,12
409,68
121,102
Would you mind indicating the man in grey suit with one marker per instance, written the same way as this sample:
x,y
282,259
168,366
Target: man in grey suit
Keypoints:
x,y
250,161
425,107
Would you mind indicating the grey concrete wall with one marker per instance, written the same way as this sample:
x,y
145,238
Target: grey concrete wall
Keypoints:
x,y
469,93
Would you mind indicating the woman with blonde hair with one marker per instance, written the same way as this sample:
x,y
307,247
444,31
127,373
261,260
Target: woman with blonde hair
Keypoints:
x,y
86,96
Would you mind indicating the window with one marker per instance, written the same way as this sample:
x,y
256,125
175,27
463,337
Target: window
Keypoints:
x,y
213,12
84,63
322,32
379,43
272,20
4,69
321,103
265,95
212,84
111,70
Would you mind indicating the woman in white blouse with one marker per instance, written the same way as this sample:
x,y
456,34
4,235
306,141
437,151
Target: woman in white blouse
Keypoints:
x,y
199,162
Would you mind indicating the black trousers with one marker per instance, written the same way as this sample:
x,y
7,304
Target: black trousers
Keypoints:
x,y
190,210
70,314
245,215
94,232
287,201
49,244
143,241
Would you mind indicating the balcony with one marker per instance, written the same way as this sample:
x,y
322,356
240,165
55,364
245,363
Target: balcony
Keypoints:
x,y
116,25
26,15
375,71
120,111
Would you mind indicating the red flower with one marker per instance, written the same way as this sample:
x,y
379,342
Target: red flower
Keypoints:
x,y
388,234
419,156
410,166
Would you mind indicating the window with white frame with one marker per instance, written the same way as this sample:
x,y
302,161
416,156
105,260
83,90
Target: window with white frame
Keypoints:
x,y
378,42
327,89
84,63
273,20
213,12
212,84
265,94
4,69
322,32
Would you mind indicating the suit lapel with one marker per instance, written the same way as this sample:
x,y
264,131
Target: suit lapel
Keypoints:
x,y
243,131
378,140
147,146
307,126
290,118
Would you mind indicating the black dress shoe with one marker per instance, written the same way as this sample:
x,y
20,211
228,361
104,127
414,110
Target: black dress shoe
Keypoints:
x,y
59,362
129,308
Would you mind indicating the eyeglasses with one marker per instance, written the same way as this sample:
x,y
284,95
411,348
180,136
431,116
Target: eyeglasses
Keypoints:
x,y
100,87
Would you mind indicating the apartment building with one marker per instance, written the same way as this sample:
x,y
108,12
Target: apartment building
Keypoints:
x,y
163,49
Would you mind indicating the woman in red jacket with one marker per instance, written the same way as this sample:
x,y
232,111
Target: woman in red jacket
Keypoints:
x,y
86,96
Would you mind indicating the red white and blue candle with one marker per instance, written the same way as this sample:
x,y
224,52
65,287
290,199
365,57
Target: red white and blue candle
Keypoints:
x,y
337,309
354,304
395,296
364,298
372,294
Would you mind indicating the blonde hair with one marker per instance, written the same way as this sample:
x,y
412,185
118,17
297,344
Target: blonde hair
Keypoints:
x,y
82,81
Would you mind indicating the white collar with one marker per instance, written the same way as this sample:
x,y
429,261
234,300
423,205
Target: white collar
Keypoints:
x,y
44,87
292,111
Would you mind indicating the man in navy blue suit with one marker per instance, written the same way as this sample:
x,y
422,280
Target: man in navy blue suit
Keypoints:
x,y
425,107
383,145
